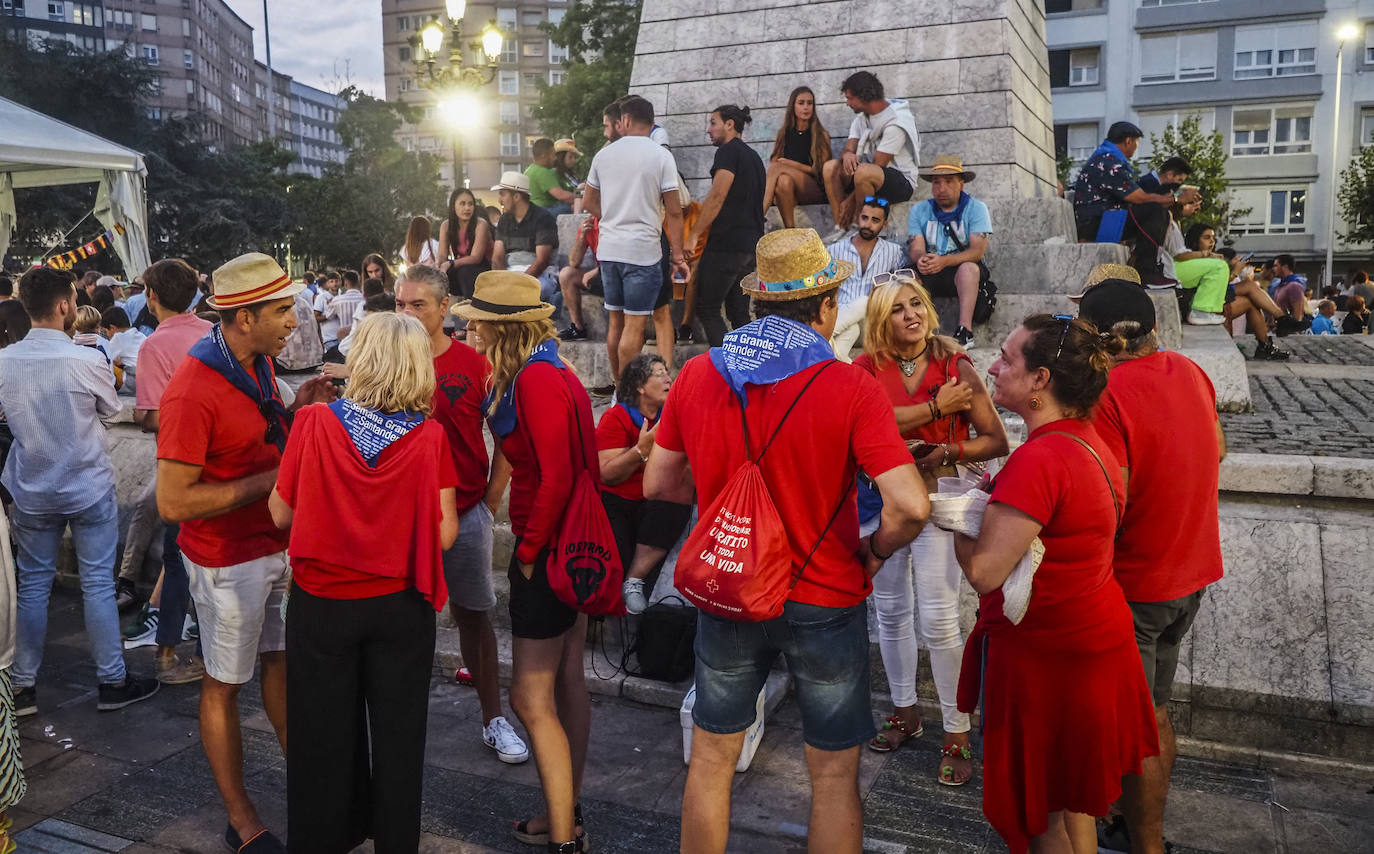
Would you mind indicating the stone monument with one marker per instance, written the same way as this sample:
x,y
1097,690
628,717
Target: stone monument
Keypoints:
x,y
975,72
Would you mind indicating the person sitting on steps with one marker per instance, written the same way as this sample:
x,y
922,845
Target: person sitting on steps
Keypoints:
x,y
880,157
948,237
800,151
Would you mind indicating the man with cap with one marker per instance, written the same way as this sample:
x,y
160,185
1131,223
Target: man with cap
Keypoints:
x,y
223,426
1107,182
779,376
948,237
526,238
548,188
1158,416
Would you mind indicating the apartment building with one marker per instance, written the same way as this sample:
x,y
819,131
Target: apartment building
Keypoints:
x,y
314,113
478,133
82,24
1261,72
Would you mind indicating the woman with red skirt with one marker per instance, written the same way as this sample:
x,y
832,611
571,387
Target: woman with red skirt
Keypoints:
x,y
1065,708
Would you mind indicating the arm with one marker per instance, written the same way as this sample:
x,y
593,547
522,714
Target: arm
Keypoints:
x,y
282,513
905,510
932,263
672,226
147,419
481,238
1005,536
444,249
916,249
1139,196
543,255
710,209
498,255
102,385
1221,442
561,194
991,440
619,464
500,477
552,441
591,201
667,477
448,520
849,158
182,496
579,250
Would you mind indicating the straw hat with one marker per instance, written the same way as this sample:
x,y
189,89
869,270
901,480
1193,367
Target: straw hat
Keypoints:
x,y
948,164
504,296
1103,272
565,144
517,181
792,263
251,278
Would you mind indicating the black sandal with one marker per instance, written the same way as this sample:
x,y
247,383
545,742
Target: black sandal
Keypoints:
x,y
522,832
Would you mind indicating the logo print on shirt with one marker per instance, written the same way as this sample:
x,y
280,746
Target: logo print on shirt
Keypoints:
x,y
454,387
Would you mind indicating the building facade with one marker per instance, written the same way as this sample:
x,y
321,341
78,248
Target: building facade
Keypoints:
x,y
82,24
486,131
314,113
1260,72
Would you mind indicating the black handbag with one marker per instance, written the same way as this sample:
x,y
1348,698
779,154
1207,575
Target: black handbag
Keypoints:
x,y
986,300
664,644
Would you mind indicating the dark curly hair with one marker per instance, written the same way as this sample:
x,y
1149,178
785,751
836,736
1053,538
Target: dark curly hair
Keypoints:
x,y
863,85
1194,235
1078,367
636,374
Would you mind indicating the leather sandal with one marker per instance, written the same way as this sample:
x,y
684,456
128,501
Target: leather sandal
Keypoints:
x,y
884,743
946,775
522,833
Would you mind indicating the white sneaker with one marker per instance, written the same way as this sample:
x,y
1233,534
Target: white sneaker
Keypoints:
x,y
1204,318
633,592
500,736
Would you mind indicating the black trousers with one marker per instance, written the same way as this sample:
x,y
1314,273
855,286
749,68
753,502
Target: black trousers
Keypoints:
x,y
357,693
653,523
718,278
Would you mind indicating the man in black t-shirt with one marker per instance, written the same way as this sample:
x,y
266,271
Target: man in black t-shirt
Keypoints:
x,y
526,238
732,217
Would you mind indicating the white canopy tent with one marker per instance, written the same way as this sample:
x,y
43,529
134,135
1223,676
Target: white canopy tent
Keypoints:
x,y
37,150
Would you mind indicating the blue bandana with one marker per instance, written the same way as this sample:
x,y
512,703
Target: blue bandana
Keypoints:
x,y
943,216
261,389
1112,150
371,431
635,415
768,351
503,420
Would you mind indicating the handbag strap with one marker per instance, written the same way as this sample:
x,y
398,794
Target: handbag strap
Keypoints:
x,y
949,230
1110,489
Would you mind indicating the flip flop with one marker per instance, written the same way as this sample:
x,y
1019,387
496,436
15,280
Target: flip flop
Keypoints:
x,y
262,842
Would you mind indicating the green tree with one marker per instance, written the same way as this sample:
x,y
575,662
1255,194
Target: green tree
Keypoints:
x,y
1356,197
600,37
1206,155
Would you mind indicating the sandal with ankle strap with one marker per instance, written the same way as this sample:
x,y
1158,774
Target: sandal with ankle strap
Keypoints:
x,y
882,743
946,775
522,830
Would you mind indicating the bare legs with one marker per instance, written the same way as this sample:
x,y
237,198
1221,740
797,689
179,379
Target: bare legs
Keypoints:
x,y
570,283
221,734
1069,833
788,185
1253,302
1143,796
865,181
664,335
966,283
477,643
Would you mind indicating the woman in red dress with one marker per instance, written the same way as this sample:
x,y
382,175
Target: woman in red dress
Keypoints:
x,y
1066,711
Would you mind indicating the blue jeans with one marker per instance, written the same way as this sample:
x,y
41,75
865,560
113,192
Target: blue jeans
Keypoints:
x,y
631,288
176,590
560,208
827,654
95,533
550,292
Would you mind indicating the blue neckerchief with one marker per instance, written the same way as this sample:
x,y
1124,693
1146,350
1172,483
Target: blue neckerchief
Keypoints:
x,y
1112,150
635,415
767,351
956,215
261,389
503,420
372,431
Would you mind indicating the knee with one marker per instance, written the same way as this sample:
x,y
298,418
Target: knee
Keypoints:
x,y
532,706
786,183
829,167
967,272
469,620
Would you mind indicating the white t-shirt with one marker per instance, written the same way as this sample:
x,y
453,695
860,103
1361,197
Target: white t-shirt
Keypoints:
x,y
659,135
329,327
893,140
632,174
123,347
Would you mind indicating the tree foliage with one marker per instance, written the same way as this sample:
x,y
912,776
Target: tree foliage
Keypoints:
x,y
1356,197
600,37
1206,155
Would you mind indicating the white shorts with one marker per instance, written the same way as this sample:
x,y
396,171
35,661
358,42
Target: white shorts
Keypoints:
x,y
239,608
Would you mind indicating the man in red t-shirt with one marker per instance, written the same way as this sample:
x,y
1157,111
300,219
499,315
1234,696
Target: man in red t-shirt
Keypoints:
x,y
222,429
462,376
1159,418
840,423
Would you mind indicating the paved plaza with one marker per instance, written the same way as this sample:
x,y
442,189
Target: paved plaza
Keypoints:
x,y
136,781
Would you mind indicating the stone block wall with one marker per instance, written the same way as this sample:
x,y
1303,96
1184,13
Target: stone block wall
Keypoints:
x,y
975,71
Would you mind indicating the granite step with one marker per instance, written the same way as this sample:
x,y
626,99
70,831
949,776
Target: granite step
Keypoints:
x,y
593,364
1013,308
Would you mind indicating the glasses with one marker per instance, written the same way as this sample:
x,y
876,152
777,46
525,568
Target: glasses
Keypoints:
x,y
659,372
1068,321
906,274
875,200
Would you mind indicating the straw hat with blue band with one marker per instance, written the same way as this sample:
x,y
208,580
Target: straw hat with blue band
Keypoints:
x,y
504,296
248,279
792,263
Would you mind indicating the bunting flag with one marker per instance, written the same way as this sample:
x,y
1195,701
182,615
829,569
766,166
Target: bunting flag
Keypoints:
x,y
66,260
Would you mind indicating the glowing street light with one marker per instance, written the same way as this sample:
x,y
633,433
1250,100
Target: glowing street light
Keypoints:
x,y
432,38
492,41
456,9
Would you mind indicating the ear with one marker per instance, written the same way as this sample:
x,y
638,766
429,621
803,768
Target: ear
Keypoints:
x,y
1042,378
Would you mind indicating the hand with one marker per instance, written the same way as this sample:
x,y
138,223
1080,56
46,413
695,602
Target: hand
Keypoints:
x,y
849,163
646,439
586,281
316,390
444,266
870,561
1191,196
680,269
954,396
527,570
335,371
930,264
1190,208
932,459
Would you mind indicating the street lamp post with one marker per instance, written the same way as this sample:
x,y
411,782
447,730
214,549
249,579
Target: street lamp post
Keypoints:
x,y
1344,34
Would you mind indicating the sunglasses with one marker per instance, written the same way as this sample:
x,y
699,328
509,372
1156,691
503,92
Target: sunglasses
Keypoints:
x,y
1068,321
875,200
906,274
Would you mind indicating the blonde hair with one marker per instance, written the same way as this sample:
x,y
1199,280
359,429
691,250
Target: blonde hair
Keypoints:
x,y
878,327
509,346
391,367
87,318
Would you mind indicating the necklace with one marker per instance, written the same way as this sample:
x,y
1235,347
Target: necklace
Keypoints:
x,y
908,366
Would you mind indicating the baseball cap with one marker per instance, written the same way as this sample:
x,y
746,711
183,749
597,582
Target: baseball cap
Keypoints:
x,y
1115,300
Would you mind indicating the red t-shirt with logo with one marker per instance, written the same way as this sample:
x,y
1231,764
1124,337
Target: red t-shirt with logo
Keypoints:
x,y
462,376
207,422
843,423
1158,416
616,431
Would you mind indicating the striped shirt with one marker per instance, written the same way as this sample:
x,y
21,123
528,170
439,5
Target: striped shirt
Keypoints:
x,y
886,257
55,395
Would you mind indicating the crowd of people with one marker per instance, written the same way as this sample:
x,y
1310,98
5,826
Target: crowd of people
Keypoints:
x,y
317,532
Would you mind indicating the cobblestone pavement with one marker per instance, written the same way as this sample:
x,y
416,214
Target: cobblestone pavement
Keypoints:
x,y
1321,349
1313,416
136,781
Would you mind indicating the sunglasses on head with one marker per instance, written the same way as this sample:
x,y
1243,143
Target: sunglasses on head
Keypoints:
x,y
1067,320
906,274
875,200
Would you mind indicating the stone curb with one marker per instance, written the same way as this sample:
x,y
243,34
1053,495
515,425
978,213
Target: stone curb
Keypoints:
x,y
1282,474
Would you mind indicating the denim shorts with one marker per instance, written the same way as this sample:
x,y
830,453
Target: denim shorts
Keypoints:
x,y
631,288
827,655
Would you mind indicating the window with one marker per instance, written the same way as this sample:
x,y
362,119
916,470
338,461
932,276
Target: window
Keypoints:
x,y
510,113
403,54
1083,66
531,18
149,52
556,16
1158,123
532,49
510,143
190,87
1281,130
557,54
532,80
555,76
1367,127
508,51
508,82
1273,210
186,27
402,23
149,23
56,12
1178,57
505,19
1369,44
188,59
404,83
1056,6
1078,140
1169,2
1276,51
155,113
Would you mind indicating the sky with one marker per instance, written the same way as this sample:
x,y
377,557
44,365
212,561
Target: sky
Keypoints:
x,y
322,44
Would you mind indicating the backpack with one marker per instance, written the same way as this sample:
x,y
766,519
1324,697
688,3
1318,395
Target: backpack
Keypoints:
x,y
733,563
986,300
